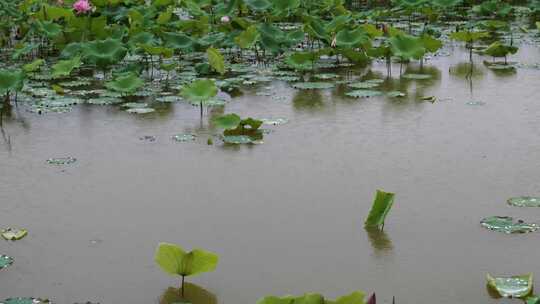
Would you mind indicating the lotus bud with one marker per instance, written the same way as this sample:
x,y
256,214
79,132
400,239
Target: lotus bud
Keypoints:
x,y
225,19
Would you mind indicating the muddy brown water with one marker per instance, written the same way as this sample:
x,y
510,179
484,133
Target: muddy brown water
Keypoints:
x,y
285,217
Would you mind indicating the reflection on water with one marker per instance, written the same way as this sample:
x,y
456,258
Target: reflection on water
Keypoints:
x,y
193,294
308,100
380,241
466,70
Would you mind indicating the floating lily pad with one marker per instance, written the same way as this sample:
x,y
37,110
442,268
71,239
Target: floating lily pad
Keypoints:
x,y
313,85
135,105
416,76
507,224
25,301
11,234
274,121
524,201
363,85
140,110
238,139
104,101
169,99
431,99
511,287
183,137
325,76
363,93
5,261
395,94
61,161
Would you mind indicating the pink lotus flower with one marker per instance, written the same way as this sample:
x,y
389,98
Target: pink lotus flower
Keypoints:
x,y
82,6
225,19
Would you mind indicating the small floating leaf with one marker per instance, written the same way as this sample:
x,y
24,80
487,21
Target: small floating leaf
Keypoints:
x,y
431,99
5,261
183,137
507,224
313,85
229,121
395,94
61,161
511,287
11,234
475,103
363,93
524,201
379,210
364,85
416,76
237,139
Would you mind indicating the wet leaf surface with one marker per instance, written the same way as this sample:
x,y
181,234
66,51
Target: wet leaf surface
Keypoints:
x,y
506,224
12,234
511,287
524,201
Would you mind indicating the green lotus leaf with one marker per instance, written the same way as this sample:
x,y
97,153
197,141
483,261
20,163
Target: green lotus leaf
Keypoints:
x,y
364,85
356,297
518,286
395,94
72,50
258,5
447,3
212,39
316,29
5,261
200,91
142,38
497,49
11,234
379,210
11,81
354,56
174,260
26,49
285,7
352,38
215,59
407,47
33,66
125,84
178,41
524,201
227,122
64,68
302,61
506,224
468,36
184,137
532,300
157,50
431,44
104,53
238,139
49,28
247,38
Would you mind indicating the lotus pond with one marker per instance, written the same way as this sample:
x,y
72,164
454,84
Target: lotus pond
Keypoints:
x,y
260,130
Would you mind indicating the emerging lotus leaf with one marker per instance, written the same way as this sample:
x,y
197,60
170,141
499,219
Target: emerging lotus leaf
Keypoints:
x,y
200,91
125,84
104,53
524,201
227,122
518,286
407,47
379,210
507,224
352,38
174,260
247,38
63,68
216,60
11,81
11,234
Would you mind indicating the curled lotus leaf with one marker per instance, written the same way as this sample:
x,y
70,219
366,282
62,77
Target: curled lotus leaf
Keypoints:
x,y
507,225
12,234
524,201
5,261
518,286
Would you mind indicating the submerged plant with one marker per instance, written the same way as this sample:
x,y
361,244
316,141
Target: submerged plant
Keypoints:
x,y
174,260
